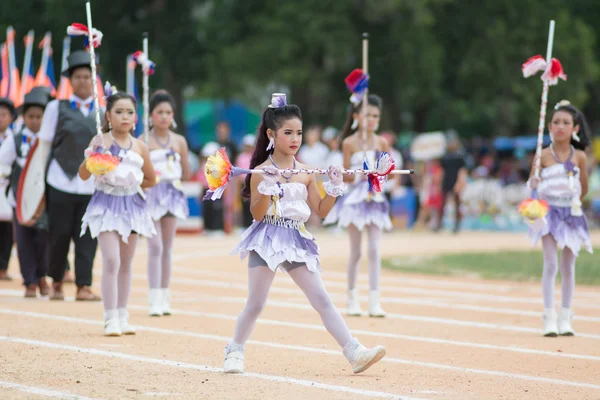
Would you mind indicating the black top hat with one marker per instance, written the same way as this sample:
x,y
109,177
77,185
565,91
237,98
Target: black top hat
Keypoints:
x,y
80,58
38,96
6,102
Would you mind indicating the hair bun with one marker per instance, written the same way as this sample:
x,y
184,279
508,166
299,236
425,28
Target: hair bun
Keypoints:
x,y
562,103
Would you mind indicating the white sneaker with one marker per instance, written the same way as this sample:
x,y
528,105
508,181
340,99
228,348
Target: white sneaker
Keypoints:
x,y
166,302
550,325
111,323
126,329
234,359
155,302
353,308
360,357
375,309
564,322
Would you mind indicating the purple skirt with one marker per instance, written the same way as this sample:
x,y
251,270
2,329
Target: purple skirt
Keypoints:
x,y
568,230
360,214
278,244
164,199
124,214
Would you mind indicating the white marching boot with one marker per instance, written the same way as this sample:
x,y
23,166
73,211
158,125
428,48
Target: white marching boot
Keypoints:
x,y
550,324
564,322
155,302
166,302
126,329
234,359
353,308
111,323
360,357
375,309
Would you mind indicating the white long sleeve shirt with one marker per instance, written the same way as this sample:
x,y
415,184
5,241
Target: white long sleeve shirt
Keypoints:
x,y
8,155
56,176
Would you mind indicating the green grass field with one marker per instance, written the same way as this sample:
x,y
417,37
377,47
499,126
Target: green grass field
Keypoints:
x,y
517,266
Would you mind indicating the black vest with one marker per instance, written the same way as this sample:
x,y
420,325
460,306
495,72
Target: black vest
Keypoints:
x,y
74,133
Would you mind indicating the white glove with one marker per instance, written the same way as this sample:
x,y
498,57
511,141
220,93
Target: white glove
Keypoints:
x,y
270,185
335,186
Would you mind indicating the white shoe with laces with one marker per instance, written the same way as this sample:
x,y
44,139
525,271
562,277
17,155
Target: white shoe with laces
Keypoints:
x,y
155,302
360,357
353,309
234,359
166,302
375,309
564,322
126,329
111,323
550,323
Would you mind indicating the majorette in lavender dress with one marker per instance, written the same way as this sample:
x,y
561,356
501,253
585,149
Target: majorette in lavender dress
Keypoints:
x,y
281,235
166,198
358,206
561,188
118,203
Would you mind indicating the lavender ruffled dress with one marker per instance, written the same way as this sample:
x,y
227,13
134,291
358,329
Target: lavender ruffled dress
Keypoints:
x,y
358,206
281,235
118,203
167,197
561,188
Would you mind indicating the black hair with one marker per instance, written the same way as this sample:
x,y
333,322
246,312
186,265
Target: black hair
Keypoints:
x,y
584,132
28,106
110,103
272,118
158,97
372,100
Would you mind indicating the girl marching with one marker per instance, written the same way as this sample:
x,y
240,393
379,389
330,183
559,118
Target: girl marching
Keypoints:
x,y
117,212
280,205
166,200
562,183
362,209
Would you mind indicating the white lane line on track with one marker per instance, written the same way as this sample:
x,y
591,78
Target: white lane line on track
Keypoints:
x,y
417,318
307,349
42,391
382,334
204,368
335,276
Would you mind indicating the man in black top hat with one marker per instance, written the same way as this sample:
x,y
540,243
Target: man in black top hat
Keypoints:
x,y
8,114
70,125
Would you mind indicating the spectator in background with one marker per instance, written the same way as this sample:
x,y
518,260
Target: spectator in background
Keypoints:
x,y
332,137
212,211
243,161
454,179
313,152
224,140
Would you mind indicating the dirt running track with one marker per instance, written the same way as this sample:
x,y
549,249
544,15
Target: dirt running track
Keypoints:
x,y
446,338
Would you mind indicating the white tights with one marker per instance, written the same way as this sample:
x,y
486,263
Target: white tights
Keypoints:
x,y
374,255
116,269
567,273
259,283
159,253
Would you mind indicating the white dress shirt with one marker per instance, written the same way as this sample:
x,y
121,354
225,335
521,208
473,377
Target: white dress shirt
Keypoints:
x,y
5,208
56,176
8,155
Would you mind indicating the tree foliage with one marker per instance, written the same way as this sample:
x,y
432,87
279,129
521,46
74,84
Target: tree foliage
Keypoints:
x,y
437,64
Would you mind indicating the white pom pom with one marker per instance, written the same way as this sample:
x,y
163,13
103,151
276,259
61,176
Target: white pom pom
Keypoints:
x,y
385,164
